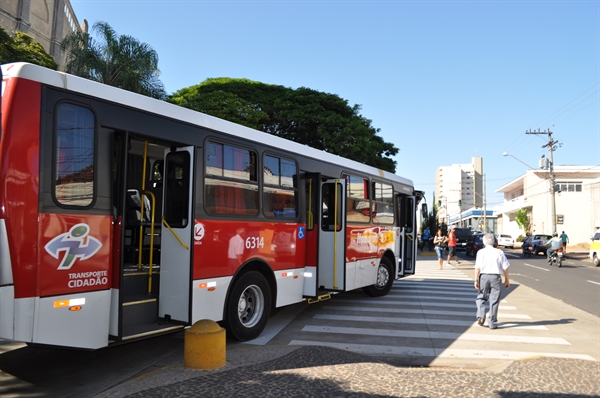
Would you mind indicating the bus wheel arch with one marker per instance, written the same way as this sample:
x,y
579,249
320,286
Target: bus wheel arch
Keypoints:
x,y
385,277
249,302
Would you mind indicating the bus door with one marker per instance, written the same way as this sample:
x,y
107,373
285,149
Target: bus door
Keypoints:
x,y
177,224
408,233
331,268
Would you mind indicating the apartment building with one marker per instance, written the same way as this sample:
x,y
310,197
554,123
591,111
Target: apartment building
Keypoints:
x,y
458,188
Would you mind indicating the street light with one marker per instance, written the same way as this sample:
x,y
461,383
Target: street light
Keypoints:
x,y
552,190
518,160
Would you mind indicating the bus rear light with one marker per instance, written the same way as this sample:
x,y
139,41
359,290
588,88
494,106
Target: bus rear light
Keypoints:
x,y
285,274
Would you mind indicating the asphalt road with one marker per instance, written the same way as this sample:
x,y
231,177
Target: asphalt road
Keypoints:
x,y
49,372
577,282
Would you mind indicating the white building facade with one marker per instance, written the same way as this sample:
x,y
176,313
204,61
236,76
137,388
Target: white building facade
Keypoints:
x,y
458,188
577,203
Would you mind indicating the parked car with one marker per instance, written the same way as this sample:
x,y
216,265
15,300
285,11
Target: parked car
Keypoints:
x,y
505,240
462,235
538,242
475,243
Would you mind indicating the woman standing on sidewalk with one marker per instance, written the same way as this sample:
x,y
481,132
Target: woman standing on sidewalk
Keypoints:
x,y
438,242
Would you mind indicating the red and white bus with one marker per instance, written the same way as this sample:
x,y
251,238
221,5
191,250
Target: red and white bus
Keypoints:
x,y
122,217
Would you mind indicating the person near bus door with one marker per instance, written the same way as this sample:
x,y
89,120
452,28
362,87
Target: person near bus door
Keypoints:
x,y
490,264
452,240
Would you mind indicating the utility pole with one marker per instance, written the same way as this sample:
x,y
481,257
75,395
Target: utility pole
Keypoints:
x,y
551,145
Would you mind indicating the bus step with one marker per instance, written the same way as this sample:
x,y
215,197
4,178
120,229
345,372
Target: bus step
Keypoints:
x,y
136,284
140,312
141,332
321,297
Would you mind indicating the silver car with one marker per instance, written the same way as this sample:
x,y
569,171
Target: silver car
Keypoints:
x,y
538,242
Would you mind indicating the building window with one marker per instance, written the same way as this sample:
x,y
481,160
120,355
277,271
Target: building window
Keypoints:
x,y
568,186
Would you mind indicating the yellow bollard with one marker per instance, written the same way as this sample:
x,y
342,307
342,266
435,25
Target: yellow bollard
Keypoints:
x,y
204,346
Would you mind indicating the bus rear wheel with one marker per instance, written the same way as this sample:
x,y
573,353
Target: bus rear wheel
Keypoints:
x,y
248,307
385,279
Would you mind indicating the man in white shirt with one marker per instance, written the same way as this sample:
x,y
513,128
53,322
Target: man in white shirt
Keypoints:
x,y
490,264
553,244
236,249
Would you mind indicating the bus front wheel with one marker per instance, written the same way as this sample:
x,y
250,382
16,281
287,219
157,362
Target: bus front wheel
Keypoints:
x,y
248,307
385,279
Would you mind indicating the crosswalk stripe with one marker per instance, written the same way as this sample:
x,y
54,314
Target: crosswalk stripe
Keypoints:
x,y
378,301
430,297
370,349
418,321
494,337
417,311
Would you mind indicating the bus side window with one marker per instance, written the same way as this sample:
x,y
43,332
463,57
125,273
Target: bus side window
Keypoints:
x,y
330,220
177,189
74,153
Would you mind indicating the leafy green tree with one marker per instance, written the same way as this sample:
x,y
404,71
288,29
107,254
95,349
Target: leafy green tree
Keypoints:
x,y
22,48
320,120
432,221
117,60
522,220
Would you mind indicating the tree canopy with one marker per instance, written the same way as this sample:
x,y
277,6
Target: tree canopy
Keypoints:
x,y
320,120
117,60
22,48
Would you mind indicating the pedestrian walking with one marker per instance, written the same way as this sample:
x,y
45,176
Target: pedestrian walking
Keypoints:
x,y
490,264
452,240
425,239
439,242
565,240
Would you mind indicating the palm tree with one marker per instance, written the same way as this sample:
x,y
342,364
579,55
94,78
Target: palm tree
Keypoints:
x,y
120,61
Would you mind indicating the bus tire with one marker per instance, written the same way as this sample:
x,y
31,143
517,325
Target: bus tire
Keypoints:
x,y
596,260
385,279
248,307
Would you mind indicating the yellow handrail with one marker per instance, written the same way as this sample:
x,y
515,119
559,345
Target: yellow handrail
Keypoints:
x,y
174,234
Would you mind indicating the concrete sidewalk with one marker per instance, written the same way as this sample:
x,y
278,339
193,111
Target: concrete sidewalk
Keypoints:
x,y
314,371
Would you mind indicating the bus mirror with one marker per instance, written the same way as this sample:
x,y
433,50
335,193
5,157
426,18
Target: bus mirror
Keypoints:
x,y
424,210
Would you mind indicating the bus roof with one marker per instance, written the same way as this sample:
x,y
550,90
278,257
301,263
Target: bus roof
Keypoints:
x,y
138,101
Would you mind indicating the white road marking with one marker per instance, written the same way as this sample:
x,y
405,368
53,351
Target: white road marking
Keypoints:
x,y
594,282
536,267
417,311
370,349
436,335
420,321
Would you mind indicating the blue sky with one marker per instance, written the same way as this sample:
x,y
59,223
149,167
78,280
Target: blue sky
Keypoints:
x,y
444,80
